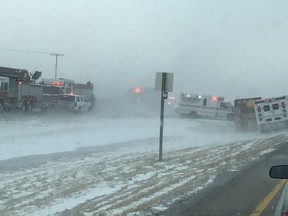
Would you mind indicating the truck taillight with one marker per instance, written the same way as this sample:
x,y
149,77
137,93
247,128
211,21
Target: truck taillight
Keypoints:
x,y
20,82
259,109
285,214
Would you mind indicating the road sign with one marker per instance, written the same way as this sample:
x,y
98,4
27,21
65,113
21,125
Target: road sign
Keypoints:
x,y
163,83
166,79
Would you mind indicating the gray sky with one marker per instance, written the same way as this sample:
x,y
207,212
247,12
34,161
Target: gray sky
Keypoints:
x,y
222,47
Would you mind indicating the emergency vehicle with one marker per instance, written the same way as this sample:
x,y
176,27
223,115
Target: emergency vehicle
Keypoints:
x,y
271,113
18,90
245,116
206,106
85,90
73,102
53,88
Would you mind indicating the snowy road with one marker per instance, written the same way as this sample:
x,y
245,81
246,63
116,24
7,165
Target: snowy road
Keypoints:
x,y
95,165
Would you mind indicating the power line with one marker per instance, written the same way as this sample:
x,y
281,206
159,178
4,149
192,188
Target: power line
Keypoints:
x,y
38,52
26,51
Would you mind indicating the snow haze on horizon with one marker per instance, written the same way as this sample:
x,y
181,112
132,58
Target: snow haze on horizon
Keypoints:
x,y
228,48
41,135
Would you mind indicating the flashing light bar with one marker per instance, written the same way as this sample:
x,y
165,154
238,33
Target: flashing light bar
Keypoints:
x,y
214,98
57,83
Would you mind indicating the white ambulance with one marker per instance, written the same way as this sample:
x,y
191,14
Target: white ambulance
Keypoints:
x,y
205,106
271,113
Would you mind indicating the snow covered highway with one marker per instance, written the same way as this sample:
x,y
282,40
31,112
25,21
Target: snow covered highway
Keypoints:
x,y
99,165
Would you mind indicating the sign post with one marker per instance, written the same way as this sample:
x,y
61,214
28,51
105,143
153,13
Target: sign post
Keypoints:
x,y
164,83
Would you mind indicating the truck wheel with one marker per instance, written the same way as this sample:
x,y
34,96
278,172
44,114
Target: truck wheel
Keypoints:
x,y
1,106
23,107
29,107
193,115
230,117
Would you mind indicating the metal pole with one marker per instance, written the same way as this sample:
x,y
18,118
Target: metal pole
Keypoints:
x,y
56,63
162,117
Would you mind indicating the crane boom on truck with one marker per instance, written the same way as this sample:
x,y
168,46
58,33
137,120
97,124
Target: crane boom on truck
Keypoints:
x,y
18,90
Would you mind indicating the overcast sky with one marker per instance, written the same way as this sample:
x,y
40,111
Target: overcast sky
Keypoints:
x,y
225,47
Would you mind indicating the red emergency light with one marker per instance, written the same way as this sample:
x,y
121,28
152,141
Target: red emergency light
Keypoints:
x,y
214,98
137,90
57,83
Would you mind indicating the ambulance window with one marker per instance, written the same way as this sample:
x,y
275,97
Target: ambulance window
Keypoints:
x,y
266,108
275,106
205,102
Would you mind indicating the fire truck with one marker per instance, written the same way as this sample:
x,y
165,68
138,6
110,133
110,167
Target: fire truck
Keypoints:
x,y
245,116
19,90
205,106
53,88
271,113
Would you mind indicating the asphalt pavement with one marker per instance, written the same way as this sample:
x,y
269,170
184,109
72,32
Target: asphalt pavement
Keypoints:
x,y
236,193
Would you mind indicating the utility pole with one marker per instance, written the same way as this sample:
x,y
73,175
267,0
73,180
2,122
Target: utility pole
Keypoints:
x,y
56,54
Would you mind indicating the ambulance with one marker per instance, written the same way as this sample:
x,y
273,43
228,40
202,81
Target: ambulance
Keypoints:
x,y
204,106
271,113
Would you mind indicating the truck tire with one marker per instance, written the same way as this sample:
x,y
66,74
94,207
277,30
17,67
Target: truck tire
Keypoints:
x,y
230,117
29,106
1,106
193,114
23,107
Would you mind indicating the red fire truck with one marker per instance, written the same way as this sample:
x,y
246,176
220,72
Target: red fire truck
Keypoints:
x,y
19,90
